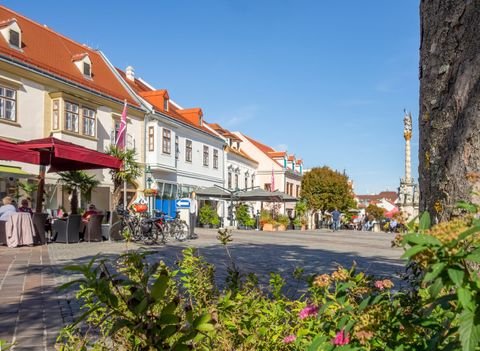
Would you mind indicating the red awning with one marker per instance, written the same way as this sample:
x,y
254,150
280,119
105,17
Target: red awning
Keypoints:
x,y
12,152
64,156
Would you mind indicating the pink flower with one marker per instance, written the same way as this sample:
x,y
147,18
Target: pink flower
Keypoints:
x,y
310,310
289,339
379,285
341,338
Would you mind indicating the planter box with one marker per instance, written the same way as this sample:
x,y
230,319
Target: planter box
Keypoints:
x,y
267,227
297,227
281,228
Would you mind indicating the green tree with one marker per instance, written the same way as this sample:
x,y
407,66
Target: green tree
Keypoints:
x,y
325,189
375,211
130,170
74,181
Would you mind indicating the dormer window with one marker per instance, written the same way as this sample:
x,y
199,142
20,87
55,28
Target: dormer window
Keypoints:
x,y
87,69
11,33
83,63
14,39
165,104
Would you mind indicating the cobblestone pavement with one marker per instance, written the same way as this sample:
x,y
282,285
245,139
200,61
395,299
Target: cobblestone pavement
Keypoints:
x,y
32,310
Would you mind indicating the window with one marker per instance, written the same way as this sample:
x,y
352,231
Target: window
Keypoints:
x,y
253,181
88,116
205,155
14,38
8,104
229,180
167,142
165,104
188,150
177,147
236,181
87,69
71,117
246,182
298,191
267,186
151,140
215,159
55,114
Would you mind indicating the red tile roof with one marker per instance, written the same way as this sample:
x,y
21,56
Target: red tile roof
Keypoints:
x,y
52,53
277,154
241,153
291,158
390,196
155,97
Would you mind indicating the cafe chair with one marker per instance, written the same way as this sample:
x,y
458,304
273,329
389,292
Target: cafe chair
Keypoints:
x,y
67,231
93,230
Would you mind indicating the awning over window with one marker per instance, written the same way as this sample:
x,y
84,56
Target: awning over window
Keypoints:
x,y
15,172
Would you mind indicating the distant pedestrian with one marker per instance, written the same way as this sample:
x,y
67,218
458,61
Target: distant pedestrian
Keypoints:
x,y
336,219
193,213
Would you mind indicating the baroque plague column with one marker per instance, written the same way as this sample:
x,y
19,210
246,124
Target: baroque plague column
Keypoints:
x,y
408,190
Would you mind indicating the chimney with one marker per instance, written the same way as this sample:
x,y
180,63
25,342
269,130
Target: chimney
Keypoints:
x,y
130,73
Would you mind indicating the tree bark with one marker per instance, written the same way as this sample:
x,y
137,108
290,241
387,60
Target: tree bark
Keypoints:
x,y
449,120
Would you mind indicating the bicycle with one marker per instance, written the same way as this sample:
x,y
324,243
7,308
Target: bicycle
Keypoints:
x,y
139,229
171,227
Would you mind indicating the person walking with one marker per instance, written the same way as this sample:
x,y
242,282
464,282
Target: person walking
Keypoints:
x,y
193,213
336,219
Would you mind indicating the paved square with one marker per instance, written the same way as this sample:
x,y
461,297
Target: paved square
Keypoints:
x,y
32,310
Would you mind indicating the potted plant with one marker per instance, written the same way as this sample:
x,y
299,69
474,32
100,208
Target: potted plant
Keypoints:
x,y
267,223
214,220
243,217
205,215
150,192
283,221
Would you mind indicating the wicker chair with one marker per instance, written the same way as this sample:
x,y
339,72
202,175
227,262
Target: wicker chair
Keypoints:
x,y
93,230
67,231
39,220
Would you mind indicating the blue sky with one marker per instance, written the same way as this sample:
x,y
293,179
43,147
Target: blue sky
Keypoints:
x,y
327,80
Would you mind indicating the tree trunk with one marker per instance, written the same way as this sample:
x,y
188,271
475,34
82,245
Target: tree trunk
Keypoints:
x,y
449,120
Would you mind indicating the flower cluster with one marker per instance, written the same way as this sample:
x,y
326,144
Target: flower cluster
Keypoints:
x,y
289,339
384,284
322,281
310,310
341,274
341,338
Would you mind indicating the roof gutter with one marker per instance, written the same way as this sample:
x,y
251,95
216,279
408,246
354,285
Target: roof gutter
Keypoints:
x,y
59,79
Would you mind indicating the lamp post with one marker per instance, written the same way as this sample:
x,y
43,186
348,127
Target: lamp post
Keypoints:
x,y
149,180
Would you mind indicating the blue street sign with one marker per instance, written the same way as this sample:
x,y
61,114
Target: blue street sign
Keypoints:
x,y
183,203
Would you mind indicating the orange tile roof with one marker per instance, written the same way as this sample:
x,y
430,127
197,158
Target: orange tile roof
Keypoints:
x,y
277,154
299,162
52,53
152,96
241,153
291,158
264,148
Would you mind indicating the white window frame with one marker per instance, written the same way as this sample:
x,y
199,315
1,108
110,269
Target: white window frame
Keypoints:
x,y
5,99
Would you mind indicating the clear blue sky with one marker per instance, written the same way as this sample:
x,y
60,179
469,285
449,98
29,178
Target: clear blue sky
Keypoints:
x,y
327,80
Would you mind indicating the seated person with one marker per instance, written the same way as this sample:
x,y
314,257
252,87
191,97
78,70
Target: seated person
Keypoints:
x,y
92,210
7,209
24,207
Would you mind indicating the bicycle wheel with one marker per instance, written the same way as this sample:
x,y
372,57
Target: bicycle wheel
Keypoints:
x,y
181,230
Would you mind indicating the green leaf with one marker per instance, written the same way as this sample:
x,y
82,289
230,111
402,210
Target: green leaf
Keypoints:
x,y
456,275
202,319
168,319
468,232
425,222
142,306
206,327
159,287
435,288
472,208
474,256
413,251
465,298
469,331
316,343
422,239
364,304
437,269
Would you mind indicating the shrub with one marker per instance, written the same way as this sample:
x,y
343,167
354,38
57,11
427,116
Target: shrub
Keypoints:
x,y
243,216
283,220
205,214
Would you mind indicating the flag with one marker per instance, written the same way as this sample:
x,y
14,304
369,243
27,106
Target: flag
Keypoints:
x,y
122,132
272,186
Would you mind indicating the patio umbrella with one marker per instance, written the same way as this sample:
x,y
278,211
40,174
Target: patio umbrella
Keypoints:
x,y
65,156
392,212
12,152
285,197
259,195
213,191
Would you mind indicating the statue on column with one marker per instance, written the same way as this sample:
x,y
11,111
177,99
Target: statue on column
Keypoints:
x,y
407,129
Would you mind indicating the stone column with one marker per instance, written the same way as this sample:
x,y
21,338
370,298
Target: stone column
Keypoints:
x,y
407,134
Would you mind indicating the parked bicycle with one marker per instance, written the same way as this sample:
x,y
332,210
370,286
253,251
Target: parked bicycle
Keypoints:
x,y
171,227
139,229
